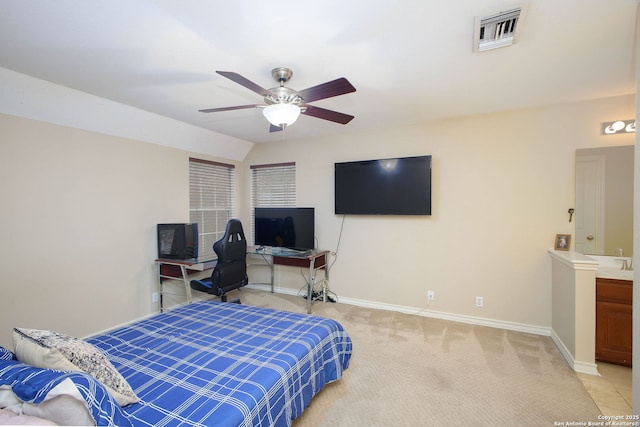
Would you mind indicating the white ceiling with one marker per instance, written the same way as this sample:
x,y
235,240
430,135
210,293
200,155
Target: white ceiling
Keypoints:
x,y
410,60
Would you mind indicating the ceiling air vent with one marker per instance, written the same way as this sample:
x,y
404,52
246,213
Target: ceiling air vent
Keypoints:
x,y
498,30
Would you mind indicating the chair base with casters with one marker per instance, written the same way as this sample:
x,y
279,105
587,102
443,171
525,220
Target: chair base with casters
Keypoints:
x,y
230,271
205,285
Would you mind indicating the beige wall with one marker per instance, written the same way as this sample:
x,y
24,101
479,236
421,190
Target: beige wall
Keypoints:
x,y
77,236
502,185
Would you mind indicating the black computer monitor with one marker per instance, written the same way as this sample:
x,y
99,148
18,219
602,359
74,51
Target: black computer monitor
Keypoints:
x,y
292,228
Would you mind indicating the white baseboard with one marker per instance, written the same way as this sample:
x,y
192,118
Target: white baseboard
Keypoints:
x,y
472,320
581,367
586,368
460,318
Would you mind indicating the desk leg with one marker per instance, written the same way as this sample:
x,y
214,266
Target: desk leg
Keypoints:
x,y
272,268
311,284
185,279
160,287
326,278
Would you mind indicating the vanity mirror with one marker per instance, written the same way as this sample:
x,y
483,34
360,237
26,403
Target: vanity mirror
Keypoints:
x,y
604,201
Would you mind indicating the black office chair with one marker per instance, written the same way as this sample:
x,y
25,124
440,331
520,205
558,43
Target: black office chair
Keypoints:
x,y
231,270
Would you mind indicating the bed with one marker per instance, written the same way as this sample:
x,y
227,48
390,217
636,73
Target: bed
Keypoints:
x,y
207,363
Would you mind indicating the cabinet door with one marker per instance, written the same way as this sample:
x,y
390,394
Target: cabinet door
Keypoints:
x,y
613,332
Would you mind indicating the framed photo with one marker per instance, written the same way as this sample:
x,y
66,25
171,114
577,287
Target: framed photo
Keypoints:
x,y
563,241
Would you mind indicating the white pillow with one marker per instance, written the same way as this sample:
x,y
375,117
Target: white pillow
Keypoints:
x,y
53,350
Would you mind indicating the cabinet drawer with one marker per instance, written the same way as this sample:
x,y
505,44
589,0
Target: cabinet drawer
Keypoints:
x,y
611,290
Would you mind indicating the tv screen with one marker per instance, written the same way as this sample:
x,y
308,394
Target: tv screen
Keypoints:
x,y
400,186
178,241
292,228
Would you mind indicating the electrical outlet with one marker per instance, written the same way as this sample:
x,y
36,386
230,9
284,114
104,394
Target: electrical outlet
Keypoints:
x,y
431,295
154,297
479,302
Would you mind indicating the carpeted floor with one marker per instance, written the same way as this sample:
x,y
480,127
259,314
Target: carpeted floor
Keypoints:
x,y
409,370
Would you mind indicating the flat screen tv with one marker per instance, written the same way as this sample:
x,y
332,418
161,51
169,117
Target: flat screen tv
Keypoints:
x,y
400,186
178,241
292,228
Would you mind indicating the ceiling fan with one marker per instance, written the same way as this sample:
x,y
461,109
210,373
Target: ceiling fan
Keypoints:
x,y
284,105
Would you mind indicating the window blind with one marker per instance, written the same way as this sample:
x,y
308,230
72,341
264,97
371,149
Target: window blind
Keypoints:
x,y
211,201
272,185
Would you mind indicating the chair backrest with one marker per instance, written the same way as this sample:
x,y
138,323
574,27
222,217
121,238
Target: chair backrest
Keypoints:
x,y
231,250
232,246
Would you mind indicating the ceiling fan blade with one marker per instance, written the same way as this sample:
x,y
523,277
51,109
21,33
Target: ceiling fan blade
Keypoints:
x,y
244,82
322,113
237,107
274,128
327,90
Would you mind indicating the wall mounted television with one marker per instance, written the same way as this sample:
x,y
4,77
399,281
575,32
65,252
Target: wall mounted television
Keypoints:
x,y
178,241
292,228
399,186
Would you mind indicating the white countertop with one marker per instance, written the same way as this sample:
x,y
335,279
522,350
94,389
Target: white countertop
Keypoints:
x,y
614,273
610,267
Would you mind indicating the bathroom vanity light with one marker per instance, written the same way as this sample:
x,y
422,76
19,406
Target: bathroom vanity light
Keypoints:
x,y
619,126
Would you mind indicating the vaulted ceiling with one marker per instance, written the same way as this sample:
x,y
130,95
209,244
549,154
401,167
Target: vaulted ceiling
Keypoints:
x,y
410,61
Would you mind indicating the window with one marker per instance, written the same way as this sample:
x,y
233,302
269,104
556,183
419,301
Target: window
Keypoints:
x,y
272,186
211,201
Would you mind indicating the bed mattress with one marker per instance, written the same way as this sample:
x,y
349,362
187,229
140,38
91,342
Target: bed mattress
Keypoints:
x,y
223,364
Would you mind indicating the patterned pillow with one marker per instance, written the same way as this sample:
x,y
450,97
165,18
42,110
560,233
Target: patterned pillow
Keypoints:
x,y
53,350
6,354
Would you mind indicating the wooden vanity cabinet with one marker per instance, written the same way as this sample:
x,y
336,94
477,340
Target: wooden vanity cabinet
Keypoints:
x,y
614,321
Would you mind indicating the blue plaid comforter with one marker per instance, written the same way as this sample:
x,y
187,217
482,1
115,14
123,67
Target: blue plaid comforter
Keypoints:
x,y
223,364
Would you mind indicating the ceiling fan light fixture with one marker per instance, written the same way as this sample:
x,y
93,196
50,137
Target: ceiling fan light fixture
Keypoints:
x,y
281,114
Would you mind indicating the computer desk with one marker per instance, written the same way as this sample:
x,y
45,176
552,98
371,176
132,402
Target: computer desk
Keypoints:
x,y
182,265
314,260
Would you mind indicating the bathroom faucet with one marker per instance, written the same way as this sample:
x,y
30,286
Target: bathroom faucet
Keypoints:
x,y
626,264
